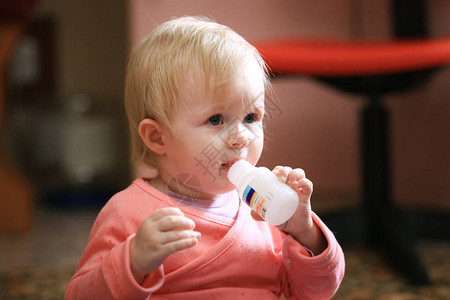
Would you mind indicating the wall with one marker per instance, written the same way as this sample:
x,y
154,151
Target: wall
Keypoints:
x,y
317,128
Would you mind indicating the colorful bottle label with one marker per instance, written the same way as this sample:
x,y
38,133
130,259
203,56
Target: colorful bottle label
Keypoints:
x,y
255,201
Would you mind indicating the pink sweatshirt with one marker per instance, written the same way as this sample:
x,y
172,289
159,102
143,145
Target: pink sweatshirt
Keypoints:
x,y
241,258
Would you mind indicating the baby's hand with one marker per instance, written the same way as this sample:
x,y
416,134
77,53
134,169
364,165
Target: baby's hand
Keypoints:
x,y
296,179
164,232
301,225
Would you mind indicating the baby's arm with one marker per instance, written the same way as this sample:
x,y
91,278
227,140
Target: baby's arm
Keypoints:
x,y
164,232
315,277
301,226
105,271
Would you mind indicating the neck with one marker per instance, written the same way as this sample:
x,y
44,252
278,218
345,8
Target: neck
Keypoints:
x,y
183,186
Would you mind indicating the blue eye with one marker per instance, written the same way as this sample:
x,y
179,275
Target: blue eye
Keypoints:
x,y
215,120
250,118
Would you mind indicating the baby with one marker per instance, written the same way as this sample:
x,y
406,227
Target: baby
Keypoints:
x,y
194,97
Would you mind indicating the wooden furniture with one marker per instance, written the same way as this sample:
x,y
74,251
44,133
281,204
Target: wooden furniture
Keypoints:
x,y
16,195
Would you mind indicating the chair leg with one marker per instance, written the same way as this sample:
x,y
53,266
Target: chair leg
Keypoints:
x,y
398,242
375,166
385,227
377,222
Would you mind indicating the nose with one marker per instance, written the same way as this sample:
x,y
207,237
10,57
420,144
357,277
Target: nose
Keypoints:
x,y
238,136
240,144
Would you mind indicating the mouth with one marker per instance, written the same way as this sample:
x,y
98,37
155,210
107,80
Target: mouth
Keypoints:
x,y
227,165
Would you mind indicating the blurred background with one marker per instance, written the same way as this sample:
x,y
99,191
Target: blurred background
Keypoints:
x,y
64,142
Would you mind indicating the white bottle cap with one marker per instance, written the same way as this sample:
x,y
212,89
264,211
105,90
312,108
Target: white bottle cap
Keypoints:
x,y
239,170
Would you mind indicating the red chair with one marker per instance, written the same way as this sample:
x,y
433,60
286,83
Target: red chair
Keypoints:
x,y
373,69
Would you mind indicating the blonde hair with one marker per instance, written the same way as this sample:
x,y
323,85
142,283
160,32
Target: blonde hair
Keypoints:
x,y
158,67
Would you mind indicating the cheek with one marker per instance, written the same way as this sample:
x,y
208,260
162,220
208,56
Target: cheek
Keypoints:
x,y
198,148
178,154
259,136
256,148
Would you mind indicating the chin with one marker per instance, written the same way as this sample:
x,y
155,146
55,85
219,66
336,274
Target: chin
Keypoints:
x,y
219,188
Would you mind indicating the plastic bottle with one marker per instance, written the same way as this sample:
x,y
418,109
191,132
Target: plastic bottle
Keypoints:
x,y
272,199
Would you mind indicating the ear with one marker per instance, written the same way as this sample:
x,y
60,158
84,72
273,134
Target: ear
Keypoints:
x,y
151,134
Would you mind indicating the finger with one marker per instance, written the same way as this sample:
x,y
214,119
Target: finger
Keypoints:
x,y
180,245
166,211
173,222
295,175
304,185
173,236
255,216
282,172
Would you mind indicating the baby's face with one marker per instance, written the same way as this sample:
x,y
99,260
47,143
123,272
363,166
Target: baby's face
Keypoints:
x,y
210,135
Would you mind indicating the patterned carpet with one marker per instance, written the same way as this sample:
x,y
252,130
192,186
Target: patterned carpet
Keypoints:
x,y
368,276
